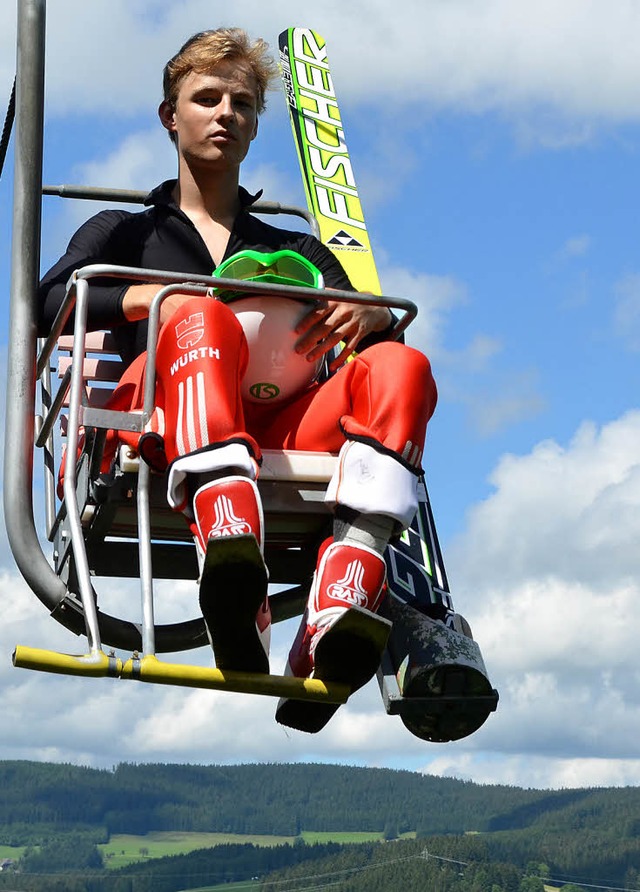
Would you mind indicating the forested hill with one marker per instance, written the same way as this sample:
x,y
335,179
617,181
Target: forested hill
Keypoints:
x,y
286,799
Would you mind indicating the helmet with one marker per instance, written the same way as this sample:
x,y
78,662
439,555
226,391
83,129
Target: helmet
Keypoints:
x,y
275,372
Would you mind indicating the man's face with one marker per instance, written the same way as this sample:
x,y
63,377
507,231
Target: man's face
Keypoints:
x,y
215,116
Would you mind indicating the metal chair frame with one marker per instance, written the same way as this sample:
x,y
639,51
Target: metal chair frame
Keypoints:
x,y
454,678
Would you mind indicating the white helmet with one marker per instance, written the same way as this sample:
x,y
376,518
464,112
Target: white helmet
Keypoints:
x,y
275,371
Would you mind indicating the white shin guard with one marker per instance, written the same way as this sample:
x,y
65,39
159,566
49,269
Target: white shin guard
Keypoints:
x,y
372,482
234,458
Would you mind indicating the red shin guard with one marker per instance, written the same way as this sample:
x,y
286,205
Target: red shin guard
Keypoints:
x,y
340,639
228,530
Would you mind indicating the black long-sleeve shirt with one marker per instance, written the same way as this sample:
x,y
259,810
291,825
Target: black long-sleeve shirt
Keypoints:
x,y
162,238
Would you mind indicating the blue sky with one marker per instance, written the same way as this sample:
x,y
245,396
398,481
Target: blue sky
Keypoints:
x,y
496,150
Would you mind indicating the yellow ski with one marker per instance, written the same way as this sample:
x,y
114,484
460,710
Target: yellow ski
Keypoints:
x,y
327,172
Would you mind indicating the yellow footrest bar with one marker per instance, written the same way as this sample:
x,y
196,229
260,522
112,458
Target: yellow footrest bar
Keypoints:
x,y
151,669
94,665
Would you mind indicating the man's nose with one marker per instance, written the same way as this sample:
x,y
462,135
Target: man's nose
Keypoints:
x,y
225,108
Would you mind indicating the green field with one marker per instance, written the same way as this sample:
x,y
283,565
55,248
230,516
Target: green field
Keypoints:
x,y
126,849
13,852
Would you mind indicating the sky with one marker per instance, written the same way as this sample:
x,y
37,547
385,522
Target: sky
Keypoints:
x,y
495,145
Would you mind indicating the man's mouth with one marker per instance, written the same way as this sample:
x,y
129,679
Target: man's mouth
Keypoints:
x,y
222,136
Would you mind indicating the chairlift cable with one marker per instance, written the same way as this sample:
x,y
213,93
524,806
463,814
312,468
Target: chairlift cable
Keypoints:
x,y
8,124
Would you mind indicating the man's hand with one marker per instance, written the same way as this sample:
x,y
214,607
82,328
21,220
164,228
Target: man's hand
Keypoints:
x,y
331,322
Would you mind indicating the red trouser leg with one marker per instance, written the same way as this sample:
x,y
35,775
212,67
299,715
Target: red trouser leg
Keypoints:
x,y
374,412
381,401
385,396
202,355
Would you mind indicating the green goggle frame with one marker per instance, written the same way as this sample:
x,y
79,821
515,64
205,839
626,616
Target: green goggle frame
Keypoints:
x,y
280,268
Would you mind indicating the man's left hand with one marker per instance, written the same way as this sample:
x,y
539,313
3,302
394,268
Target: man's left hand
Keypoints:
x,y
331,322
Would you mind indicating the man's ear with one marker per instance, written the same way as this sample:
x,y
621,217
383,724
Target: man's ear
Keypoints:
x,y
255,129
167,116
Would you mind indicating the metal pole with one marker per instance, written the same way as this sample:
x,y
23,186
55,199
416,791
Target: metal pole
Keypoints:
x,y
25,263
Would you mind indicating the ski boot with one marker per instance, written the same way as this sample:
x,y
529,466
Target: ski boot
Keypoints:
x,y
228,529
340,638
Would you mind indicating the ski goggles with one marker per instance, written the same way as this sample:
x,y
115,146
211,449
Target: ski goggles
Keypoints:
x,y
281,268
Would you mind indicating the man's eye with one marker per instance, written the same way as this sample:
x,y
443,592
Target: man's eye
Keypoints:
x,y
206,100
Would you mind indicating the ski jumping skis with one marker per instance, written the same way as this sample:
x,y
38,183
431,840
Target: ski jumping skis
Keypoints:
x,y
432,673
327,172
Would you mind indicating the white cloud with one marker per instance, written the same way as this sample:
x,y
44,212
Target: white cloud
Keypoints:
x,y
276,185
104,721
554,127
575,58
138,162
8,18
546,571
626,314
537,772
434,295
513,400
576,246
569,512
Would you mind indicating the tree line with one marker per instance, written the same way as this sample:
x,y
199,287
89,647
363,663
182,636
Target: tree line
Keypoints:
x,y
282,799
469,837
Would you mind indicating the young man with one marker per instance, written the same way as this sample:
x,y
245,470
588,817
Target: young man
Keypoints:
x,y
373,411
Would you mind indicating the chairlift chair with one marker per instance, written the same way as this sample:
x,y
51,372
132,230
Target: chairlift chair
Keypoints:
x,y
119,525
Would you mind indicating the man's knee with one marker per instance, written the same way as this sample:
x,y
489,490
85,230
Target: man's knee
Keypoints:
x,y
399,361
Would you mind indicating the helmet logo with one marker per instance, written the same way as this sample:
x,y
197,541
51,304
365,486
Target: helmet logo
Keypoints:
x,y
263,390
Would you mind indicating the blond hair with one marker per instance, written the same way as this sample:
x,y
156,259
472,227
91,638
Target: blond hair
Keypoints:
x,y
203,51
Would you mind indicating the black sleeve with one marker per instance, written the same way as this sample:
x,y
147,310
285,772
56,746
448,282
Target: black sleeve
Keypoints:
x,y
92,243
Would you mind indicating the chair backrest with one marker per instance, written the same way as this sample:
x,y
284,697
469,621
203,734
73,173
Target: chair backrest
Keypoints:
x,y
102,366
